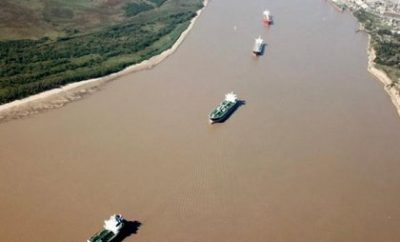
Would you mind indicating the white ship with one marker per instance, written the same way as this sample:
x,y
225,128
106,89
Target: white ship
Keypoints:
x,y
258,46
267,17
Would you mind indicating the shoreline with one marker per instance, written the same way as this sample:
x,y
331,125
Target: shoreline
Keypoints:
x,y
393,93
379,74
335,6
58,97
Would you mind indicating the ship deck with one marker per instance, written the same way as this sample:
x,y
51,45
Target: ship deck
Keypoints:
x,y
104,236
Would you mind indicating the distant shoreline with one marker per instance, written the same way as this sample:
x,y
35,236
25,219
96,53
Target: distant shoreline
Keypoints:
x,y
382,77
73,91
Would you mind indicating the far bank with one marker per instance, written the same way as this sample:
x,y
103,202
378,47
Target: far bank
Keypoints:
x,y
383,53
31,66
60,96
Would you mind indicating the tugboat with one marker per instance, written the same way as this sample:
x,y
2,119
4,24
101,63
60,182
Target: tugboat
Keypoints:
x,y
224,109
111,229
258,46
267,18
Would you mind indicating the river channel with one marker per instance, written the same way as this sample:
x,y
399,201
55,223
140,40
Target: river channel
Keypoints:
x,y
312,155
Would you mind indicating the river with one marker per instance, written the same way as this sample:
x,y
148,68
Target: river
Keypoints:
x,y
311,156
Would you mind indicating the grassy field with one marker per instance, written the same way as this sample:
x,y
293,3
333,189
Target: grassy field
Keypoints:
x,y
54,18
52,42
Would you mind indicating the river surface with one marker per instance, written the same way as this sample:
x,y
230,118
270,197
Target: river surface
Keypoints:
x,y
311,157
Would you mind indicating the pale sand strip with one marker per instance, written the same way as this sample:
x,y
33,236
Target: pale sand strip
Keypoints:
x,y
393,92
74,91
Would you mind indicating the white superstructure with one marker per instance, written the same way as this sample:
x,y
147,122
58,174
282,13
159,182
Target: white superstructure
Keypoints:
x,y
114,223
231,97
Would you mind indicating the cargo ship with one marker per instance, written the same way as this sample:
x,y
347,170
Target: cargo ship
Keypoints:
x,y
224,109
258,46
110,230
267,18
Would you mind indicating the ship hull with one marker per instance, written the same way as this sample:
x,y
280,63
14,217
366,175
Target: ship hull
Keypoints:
x,y
258,50
267,21
104,235
223,117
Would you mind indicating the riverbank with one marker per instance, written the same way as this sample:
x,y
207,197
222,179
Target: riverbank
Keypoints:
x,y
388,83
367,22
59,97
338,6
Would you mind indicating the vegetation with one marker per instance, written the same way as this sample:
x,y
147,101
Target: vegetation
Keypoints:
x,y
29,66
385,42
131,9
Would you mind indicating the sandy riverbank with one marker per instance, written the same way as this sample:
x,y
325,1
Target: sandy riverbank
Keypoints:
x,y
59,97
393,91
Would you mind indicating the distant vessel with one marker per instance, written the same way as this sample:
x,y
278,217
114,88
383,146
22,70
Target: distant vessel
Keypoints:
x,y
258,46
111,229
224,109
267,17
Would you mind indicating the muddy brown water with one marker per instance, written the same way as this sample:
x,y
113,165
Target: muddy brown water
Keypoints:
x,y
312,155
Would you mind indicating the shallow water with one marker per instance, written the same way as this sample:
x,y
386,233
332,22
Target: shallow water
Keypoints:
x,y
311,156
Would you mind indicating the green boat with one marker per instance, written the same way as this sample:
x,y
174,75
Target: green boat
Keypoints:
x,y
111,229
224,109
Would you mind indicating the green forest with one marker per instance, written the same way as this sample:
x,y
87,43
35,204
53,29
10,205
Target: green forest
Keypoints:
x,y
29,66
385,42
